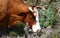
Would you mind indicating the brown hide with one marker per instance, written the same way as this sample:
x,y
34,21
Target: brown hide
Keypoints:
x,y
17,12
3,13
3,8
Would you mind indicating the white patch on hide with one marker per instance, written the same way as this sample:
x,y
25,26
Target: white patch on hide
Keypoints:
x,y
30,8
36,26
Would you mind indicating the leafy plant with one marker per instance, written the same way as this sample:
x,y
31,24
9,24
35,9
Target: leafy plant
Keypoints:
x,y
30,2
54,35
48,16
12,33
18,29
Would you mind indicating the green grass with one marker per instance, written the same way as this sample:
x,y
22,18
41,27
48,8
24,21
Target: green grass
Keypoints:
x,y
54,35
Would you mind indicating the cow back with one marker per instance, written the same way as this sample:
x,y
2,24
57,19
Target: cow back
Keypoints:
x,y
3,8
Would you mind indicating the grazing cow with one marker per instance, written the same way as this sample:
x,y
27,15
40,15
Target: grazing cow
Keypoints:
x,y
17,11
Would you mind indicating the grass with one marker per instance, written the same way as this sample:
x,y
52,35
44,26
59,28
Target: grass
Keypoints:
x,y
54,35
48,16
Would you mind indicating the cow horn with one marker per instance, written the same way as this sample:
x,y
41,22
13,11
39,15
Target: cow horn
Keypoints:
x,y
30,8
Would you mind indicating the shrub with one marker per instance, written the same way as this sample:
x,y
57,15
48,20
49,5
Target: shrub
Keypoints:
x,y
54,35
48,16
18,29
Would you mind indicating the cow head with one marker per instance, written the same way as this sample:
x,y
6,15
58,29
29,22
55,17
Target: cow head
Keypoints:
x,y
25,13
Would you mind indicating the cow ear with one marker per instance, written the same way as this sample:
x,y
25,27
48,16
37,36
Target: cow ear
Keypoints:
x,y
30,8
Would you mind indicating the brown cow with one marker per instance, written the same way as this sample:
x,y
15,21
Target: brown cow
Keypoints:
x,y
17,11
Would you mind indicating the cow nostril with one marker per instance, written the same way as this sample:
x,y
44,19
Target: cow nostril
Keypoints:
x,y
39,32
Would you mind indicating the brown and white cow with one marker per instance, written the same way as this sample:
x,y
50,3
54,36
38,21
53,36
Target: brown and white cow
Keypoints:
x,y
17,11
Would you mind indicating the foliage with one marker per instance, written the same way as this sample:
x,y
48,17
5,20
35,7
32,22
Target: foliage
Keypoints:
x,y
30,2
13,33
48,16
18,29
54,35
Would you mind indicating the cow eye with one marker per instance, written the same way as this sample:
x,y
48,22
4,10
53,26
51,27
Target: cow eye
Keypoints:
x,y
22,14
33,18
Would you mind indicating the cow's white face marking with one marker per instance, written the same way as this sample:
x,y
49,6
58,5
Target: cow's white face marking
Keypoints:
x,y
36,26
30,8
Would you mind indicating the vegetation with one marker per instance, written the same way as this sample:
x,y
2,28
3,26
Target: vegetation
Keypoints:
x,y
54,35
48,16
17,29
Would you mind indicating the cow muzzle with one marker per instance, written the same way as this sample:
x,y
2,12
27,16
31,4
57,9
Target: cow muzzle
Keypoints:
x,y
36,27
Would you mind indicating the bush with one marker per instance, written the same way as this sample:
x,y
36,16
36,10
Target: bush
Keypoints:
x,y
54,35
48,16
17,30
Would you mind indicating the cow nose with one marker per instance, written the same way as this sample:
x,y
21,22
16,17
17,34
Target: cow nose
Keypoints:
x,y
36,27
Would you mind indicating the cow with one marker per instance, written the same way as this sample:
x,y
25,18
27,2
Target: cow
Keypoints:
x,y
14,11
